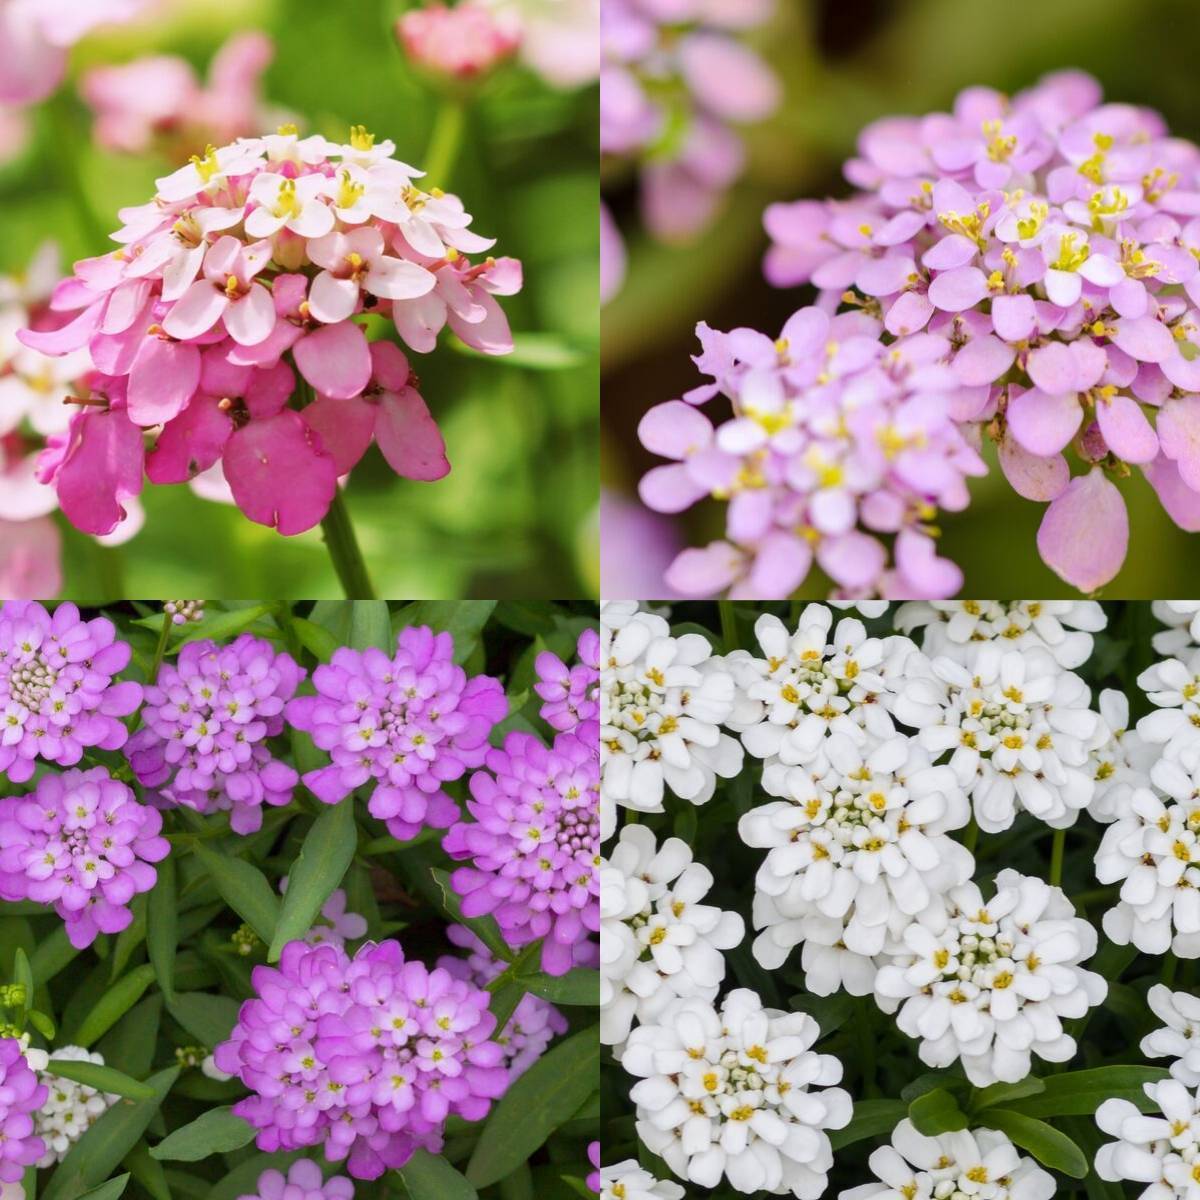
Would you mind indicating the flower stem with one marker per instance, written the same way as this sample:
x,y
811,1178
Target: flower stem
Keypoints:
x,y
728,625
161,648
1170,966
971,834
1056,857
342,544
445,140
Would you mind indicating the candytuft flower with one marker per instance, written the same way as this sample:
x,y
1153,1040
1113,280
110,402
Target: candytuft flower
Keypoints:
x,y
303,1181
463,42
70,1108
21,1095
571,694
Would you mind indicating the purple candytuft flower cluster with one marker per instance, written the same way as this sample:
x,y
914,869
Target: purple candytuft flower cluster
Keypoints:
x,y
534,1023
572,694
593,1179
365,1056
534,845
1044,249
207,719
410,722
675,79
82,842
56,687
303,1181
20,1097
839,451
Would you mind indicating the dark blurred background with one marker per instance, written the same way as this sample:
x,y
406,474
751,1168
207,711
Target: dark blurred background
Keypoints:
x,y
843,64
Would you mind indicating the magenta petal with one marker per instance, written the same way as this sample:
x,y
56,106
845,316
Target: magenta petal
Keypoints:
x,y
163,378
345,428
1181,503
191,443
1179,432
1043,424
102,470
492,334
279,473
335,359
1033,477
1085,532
70,337
1128,434
408,437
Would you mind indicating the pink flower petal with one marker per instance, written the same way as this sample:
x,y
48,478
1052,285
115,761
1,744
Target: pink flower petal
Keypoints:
x,y
102,470
1033,477
70,337
279,473
1179,432
983,360
1182,503
1014,317
780,566
704,571
884,276
163,378
670,489
923,574
1128,434
1063,287
491,335
250,320
909,314
1052,368
191,443
345,428
674,430
950,252
1085,532
335,359
1043,424
397,279
1145,339
196,311
958,290
408,436
853,561
332,299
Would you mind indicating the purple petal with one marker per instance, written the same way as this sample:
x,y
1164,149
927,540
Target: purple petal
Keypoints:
x,y
1014,317
1043,424
909,314
958,290
670,489
1052,368
1085,532
1179,432
704,571
1145,339
983,360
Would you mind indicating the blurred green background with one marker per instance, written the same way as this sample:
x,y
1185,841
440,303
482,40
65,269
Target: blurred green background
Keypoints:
x,y
517,514
845,63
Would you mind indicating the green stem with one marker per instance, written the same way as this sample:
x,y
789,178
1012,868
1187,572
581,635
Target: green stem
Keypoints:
x,y
161,649
728,625
1170,966
342,544
971,834
445,141
1056,857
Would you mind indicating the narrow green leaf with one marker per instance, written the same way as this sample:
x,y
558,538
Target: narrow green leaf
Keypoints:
x,y
1080,1093
147,1171
371,626
324,858
214,1132
519,1185
162,927
484,928
103,1079
504,1002
129,939
462,619
92,1159
534,352
1050,1147
221,625
430,1177
534,1106
131,1041
1006,1093
114,1004
936,1112
23,974
110,1190
244,888
871,1118
577,987
52,954
207,1017
319,642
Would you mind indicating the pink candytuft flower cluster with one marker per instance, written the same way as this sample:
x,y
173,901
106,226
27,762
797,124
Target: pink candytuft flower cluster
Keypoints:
x,y
206,722
534,1023
571,694
1050,243
365,1056
253,264
839,448
411,722
303,1181
20,1097
57,695
593,1179
464,41
674,81
82,842
534,845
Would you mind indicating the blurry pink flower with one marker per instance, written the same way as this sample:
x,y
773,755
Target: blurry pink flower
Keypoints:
x,y
612,256
636,548
463,41
14,133
30,559
559,39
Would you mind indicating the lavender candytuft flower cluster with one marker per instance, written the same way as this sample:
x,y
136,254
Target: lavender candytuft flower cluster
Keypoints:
x,y
20,1097
303,1181
410,722
365,1056
571,694
206,721
82,842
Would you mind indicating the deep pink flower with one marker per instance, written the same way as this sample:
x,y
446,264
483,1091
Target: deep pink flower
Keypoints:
x,y
20,1097
464,41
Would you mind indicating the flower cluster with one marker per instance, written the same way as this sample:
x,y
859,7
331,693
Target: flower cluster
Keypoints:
x,y
1179,1039
57,689
249,265
533,845
675,80
82,842
463,42
70,1108
1161,1150
205,724
303,1181
409,723
571,694
21,1095
365,1056
628,1181
1045,245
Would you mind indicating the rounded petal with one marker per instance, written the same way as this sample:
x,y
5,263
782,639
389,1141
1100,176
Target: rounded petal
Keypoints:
x,y
408,437
335,359
163,378
1085,532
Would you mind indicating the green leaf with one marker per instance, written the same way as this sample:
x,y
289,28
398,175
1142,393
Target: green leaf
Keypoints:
x,y
371,626
931,1080
534,1106
221,625
114,1004
53,953
319,642
147,1171
214,1132
110,1190
242,1179
430,1177
324,858
92,1159
1080,1093
829,1012
23,975
244,888
871,1118
462,619
577,987
1050,1147
936,1112
162,927
103,1079
534,352
484,928
207,1017
1006,1093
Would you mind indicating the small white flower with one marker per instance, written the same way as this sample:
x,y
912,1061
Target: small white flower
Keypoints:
x,y
990,984
866,608
859,843
1180,1039
71,1108
977,1163
1174,686
1018,727
1118,759
657,941
208,1066
1160,1151
952,627
728,1094
627,1181
1182,618
662,703
1152,849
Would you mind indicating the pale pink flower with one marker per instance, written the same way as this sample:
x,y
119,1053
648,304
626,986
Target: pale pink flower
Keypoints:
x,y
463,41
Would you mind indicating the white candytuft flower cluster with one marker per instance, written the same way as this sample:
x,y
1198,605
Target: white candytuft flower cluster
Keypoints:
x,y
1161,1151
1179,1039
1182,618
1174,688
737,1093
990,982
628,1181
1118,760
981,1163
71,1108
657,941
